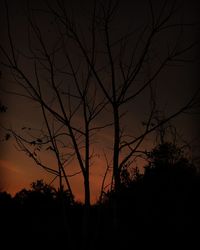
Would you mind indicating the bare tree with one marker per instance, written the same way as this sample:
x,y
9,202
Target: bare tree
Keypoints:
x,y
88,73
64,93
123,71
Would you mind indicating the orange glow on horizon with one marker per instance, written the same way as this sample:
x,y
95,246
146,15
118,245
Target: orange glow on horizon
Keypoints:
x,y
14,179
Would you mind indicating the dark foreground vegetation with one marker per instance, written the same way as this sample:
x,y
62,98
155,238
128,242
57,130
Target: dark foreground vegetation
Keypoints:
x,y
159,208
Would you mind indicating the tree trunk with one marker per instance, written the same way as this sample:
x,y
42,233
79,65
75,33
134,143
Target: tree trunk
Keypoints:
x,y
86,215
116,172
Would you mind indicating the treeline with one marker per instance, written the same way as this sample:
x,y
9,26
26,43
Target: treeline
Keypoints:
x,y
157,208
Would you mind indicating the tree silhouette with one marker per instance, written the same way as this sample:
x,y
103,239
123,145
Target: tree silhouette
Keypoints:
x,y
162,204
85,81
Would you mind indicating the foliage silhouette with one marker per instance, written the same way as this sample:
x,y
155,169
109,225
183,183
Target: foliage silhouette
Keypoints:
x,y
160,206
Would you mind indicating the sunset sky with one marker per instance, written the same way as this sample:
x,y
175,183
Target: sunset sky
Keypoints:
x,y
175,85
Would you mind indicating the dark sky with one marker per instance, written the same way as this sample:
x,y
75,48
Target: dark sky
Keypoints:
x,y
175,84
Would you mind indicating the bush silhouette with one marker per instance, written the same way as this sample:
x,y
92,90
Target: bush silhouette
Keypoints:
x,y
160,205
